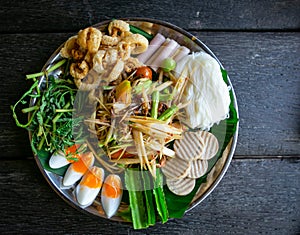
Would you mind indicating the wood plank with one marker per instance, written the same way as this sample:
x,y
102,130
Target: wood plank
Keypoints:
x,y
264,69
23,54
61,16
255,196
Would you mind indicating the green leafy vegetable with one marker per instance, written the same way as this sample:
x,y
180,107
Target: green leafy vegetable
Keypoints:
x,y
22,100
51,120
177,205
52,129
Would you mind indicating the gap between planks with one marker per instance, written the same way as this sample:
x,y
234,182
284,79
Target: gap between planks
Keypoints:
x,y
267,157
193,30
235,157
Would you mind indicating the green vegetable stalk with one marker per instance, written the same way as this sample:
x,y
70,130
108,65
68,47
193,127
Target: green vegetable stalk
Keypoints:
x,y
160,197
29,93
155,103
133,182
149,197
134,29
168,113
146,193
51,69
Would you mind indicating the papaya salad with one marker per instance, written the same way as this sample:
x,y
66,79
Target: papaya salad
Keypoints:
x,y
131,122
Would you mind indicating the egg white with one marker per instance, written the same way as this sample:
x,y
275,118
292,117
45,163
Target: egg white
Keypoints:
x,y
86,195
71,177
58,160
110,205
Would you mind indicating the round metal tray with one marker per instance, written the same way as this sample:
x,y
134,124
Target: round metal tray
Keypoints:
x,y
218,167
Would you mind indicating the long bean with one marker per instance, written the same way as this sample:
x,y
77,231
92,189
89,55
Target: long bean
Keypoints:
x,y
168,113
134,29
155,103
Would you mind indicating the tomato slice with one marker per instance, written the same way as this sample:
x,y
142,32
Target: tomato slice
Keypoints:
x,y
117,154
144,72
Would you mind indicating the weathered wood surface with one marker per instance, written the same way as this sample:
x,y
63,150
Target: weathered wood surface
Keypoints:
x,y
255,196
60,16
258,42
264,69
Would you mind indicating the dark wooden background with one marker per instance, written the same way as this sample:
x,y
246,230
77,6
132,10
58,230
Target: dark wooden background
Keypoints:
x,y
258,42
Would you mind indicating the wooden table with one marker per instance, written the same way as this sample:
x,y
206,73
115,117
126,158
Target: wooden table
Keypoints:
x,y
258,42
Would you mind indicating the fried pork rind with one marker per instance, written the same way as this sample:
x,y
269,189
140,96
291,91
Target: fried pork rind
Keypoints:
x,y
69,46
89,39
107,55
118,28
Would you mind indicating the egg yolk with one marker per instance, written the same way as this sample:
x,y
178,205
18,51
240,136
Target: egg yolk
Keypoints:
x,y
82,164
71,151
92,181
111,188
